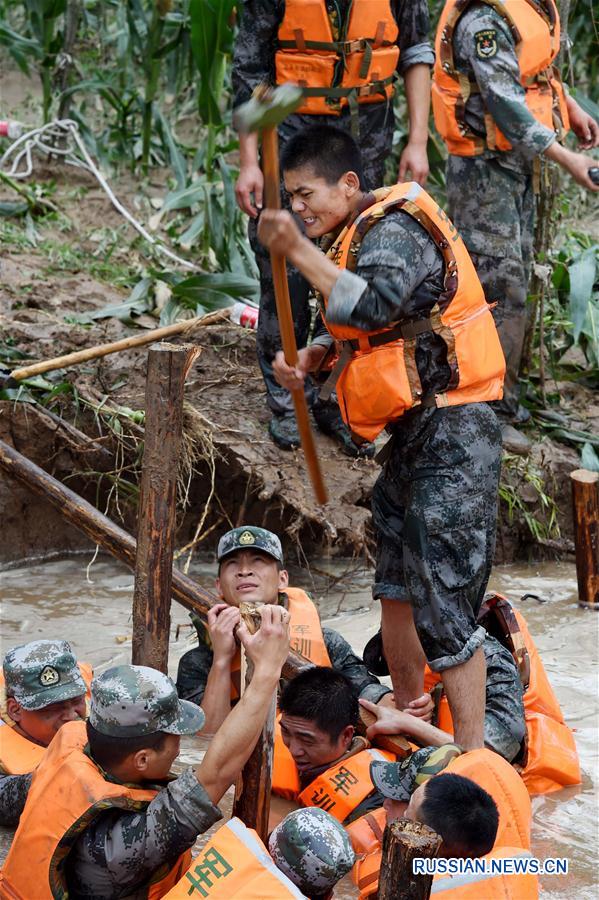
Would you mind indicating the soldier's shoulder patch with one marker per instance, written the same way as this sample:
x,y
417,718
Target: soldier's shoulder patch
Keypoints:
x,y
486,43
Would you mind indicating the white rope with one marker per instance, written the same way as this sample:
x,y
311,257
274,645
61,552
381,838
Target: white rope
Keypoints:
x,y
21,154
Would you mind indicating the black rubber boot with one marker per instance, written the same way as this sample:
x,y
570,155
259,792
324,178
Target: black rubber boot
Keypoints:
x,y
283,431
329,421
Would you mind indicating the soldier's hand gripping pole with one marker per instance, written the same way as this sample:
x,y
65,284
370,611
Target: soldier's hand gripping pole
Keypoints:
x,y
263,113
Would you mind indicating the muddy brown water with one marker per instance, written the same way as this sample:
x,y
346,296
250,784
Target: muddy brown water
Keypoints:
x,y
91,606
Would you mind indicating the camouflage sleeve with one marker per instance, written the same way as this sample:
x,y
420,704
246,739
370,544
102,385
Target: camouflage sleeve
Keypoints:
x,y
345,660
13,794
192,673
413,21
253,57
118,852
484,47
395,258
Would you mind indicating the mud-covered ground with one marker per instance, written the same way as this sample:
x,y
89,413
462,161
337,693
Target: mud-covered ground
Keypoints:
x,y
236,468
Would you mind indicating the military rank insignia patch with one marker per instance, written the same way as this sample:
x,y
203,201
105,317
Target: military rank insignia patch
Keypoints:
x,y
486,43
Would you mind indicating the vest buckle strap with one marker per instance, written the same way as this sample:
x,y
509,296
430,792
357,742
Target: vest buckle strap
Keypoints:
x,y
406,331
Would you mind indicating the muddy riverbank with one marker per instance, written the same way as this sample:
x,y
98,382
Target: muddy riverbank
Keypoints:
x,y
92,606
85,424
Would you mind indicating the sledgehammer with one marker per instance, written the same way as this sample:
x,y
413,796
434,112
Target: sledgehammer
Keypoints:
x,y
266,109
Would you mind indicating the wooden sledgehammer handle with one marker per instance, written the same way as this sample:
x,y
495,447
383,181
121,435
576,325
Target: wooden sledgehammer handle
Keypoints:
x,y
140,340
270,162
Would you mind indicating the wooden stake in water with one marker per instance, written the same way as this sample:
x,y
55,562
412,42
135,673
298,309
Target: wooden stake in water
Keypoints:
x,y
168,366
585,514
403,841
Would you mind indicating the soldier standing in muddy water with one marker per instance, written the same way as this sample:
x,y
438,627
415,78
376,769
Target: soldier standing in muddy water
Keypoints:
x,y
273,46
397,277
500,107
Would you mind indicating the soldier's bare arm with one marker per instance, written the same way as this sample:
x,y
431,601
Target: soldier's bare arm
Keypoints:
x,y
418,90
234,741
577,164
394,721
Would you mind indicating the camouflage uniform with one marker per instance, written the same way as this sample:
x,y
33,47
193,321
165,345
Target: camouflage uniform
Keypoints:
x,y
36,675
253,63
195,665
119,851
434,504
491,197
311,848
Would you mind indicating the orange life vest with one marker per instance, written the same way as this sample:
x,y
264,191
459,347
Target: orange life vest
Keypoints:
x,y
357,67
342,788
380,381
537,38
550,760
234,863
67,792
305,635
19,755
487,769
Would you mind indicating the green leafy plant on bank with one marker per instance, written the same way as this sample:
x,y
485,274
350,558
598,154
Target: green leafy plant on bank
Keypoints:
x,y
524,495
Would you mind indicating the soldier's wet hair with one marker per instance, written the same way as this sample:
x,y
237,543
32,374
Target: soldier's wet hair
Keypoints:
x,y
323,696
109,751
329,151
462,813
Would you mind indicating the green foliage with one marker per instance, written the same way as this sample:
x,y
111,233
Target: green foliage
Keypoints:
x,y
524,494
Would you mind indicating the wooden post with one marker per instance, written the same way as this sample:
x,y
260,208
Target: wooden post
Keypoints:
x,y
115,540
168,366
404,841
585,513
252,791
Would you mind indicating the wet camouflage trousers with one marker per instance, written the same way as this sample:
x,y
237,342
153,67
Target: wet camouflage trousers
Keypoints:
x,y
505,726
376,133
434,509
492,207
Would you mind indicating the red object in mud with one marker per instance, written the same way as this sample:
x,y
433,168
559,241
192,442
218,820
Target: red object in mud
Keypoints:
x,y
11,129
244,315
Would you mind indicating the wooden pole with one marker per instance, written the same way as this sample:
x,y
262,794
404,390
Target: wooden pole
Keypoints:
x,y
585,513
168,366
139,340
403,841
252,791
115,540
270,157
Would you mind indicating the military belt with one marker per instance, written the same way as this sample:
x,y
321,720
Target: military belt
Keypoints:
x,y
405,332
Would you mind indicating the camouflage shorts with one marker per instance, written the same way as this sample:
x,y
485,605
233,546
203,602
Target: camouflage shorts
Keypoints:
x,y
434,509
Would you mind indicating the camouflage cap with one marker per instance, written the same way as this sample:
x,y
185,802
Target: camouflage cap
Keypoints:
x,y
250,537
312,849
42,672
398,781
130,701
